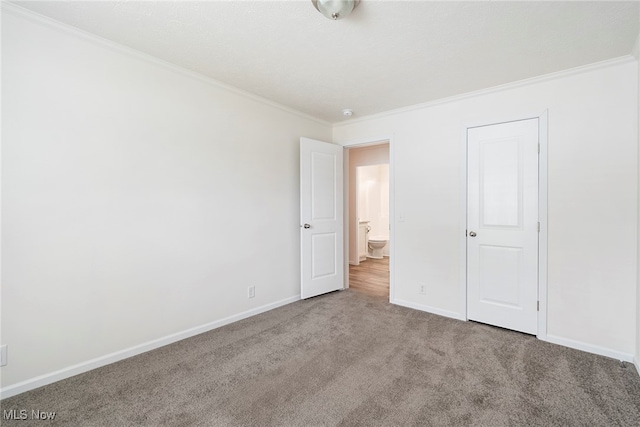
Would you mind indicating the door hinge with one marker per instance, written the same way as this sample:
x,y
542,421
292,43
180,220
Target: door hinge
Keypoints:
x,y
538,148
538,306
538,226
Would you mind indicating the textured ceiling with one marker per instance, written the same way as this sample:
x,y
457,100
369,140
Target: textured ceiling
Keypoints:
x,y
385,55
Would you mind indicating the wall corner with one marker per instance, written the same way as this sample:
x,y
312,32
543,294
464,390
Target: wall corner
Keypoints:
x,y
636,54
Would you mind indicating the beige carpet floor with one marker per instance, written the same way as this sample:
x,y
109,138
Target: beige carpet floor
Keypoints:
x,y
347,359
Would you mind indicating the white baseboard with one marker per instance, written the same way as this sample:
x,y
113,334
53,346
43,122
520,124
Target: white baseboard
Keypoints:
x,y
362,260
428,309
590,348
107,359
566,342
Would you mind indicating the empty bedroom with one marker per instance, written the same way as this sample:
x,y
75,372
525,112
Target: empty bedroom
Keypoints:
x,y
319,213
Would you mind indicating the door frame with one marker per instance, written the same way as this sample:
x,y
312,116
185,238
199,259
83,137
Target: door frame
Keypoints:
x,y
543,126
359,143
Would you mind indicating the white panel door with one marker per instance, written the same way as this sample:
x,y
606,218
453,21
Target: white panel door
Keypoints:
x,y
502,225
321,217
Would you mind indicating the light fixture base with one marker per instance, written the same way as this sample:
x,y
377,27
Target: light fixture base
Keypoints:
x,y
335,9
347,112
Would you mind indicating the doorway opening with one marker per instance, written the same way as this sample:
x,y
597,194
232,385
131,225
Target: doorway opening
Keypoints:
x,y
369,219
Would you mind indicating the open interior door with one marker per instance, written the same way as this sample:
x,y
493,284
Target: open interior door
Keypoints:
x,y
321,217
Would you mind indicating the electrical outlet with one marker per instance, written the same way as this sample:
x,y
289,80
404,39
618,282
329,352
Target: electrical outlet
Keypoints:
x,y
251,291
3,355
422,289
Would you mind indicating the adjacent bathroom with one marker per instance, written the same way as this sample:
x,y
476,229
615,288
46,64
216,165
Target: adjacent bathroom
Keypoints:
x,y
373,211
369,231
369,200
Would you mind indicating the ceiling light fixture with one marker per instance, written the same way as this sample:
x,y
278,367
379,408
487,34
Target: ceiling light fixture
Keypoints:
x,y
335,9
347,112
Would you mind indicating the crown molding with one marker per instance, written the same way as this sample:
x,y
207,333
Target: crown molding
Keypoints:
x,y
12,8
520,83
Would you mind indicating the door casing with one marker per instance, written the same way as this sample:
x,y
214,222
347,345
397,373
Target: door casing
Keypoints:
x,y
542,214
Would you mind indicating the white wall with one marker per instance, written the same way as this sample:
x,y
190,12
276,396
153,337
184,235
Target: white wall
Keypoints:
x,y
373,198
592,201
362,156
137,199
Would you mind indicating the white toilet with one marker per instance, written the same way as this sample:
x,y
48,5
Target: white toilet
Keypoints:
x,y
377,244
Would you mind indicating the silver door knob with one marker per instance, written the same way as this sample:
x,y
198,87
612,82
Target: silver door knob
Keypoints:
x,y
307,226
472,234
